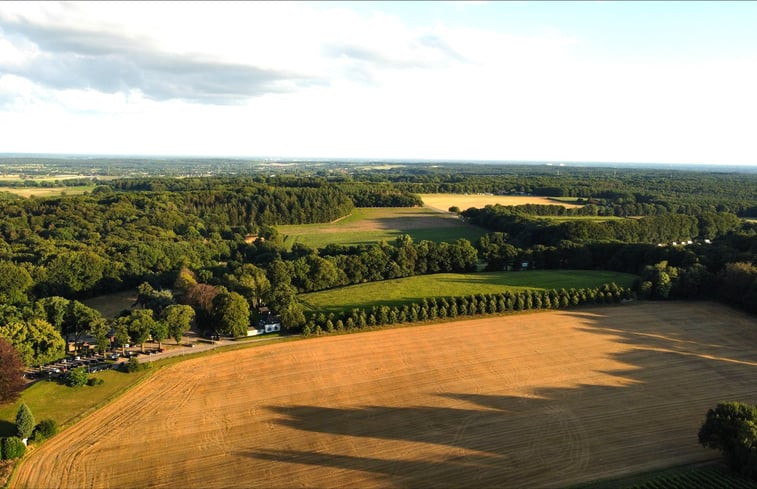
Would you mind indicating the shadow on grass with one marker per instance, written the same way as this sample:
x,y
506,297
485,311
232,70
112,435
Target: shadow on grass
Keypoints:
x,y
7,428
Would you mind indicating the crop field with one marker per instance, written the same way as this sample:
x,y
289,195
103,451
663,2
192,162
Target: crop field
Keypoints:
x,y
536,400
413,289
465,201
46,191
705,476
369,225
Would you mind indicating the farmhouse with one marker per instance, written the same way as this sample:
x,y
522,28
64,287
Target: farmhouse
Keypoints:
x,y
269,323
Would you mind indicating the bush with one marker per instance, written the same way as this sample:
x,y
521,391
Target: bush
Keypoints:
x,y
76,377
12,447
95,381
45,429
134,366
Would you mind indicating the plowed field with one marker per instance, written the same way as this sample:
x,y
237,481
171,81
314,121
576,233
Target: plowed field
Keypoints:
x,y
532,400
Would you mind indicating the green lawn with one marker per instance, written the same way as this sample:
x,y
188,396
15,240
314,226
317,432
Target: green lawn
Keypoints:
x,y
371,225
67,404
413,289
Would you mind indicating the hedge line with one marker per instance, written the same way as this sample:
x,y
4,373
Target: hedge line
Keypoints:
x,y
470,305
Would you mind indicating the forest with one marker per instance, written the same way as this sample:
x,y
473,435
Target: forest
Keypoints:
x,y
207,250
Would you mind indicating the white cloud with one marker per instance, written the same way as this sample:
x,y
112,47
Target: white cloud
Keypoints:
x,y
251,78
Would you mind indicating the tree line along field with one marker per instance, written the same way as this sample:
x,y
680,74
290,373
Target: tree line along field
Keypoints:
x,y
540,400
413,289
367,225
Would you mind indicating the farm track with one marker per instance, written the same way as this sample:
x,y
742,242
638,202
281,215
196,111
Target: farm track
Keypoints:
x,y
537,400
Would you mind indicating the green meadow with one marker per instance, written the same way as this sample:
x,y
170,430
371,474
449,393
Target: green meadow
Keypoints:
x,y
370,225
413,289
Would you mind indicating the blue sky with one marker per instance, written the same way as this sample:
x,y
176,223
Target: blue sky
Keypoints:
x,y
667,82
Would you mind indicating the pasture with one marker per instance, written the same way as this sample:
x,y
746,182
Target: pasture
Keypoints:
x,y
413,289
443,202
367,225
537,400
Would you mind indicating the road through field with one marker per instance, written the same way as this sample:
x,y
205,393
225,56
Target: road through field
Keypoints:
x,y
532,400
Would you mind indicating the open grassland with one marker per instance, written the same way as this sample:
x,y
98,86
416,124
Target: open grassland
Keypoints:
x,y
66,404
110,305
465,201
370,225
536,400
413,289
46,191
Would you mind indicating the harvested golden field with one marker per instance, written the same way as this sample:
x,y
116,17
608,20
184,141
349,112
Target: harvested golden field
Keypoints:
x,y
465,201
532,400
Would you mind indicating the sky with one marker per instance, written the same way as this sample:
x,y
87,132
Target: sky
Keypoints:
x,y
657,82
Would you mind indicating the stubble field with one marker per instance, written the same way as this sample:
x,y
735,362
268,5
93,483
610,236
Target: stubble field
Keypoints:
x,y
532,400
465,201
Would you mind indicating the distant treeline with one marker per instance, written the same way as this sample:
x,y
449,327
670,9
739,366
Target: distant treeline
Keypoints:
x,y
526,230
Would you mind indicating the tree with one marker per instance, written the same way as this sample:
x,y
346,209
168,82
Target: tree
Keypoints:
x,y
121,332
36,340
100,329
15,283
179,319
11,373
24,422
159,332
231,314
140,324
732,428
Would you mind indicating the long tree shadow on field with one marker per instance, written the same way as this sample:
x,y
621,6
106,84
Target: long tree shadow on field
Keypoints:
x,y
556,435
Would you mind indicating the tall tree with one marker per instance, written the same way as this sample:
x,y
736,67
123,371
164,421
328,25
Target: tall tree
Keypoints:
x,y
179,319
11,373
231,314
24,422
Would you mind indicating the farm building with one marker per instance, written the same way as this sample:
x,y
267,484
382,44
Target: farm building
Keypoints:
x,y
269,323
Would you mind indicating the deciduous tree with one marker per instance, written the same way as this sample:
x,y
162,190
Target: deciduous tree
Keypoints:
x,y
11,373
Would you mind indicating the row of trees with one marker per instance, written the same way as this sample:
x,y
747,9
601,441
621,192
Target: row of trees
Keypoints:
x,y
451,307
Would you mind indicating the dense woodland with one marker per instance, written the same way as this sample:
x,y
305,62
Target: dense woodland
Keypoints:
x,y
206,249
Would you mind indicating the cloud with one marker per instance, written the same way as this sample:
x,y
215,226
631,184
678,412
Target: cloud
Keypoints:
x,y
69,57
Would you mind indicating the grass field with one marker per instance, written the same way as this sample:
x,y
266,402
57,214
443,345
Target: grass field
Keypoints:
x,y
413,289
47,191
69,403
110,305
465,201
537,400
370,225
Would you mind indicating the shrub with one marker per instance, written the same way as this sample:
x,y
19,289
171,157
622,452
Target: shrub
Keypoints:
x,y
95,381
76,377
12,447
134,366
45,429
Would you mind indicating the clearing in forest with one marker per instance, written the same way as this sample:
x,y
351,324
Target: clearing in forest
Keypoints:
x,y
465,201
367,225
413,289
531,400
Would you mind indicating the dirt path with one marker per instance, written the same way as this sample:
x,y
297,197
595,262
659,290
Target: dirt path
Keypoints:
x,y
534,400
